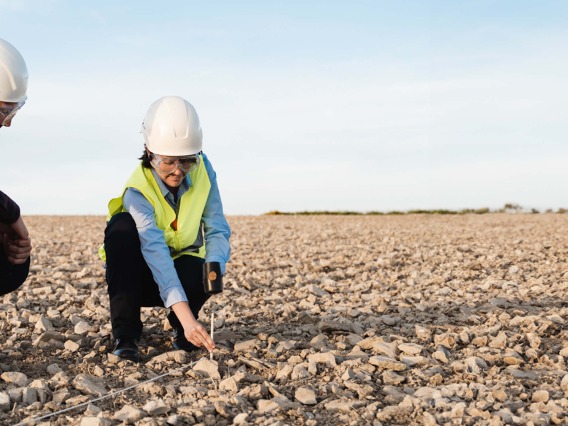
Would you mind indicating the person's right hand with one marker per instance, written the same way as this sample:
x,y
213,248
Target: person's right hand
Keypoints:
x,y
197,334
193,331
16,241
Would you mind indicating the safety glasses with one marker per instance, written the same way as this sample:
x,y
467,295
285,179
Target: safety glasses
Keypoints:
x,y
170,164
8,112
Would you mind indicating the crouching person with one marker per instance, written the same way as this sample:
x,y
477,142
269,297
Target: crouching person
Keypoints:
x,y
168,221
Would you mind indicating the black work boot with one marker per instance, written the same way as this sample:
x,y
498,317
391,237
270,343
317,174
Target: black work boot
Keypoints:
x,y
127,348
181,343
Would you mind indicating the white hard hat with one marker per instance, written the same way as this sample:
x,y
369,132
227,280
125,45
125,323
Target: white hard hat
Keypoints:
x,y
13,74
171,127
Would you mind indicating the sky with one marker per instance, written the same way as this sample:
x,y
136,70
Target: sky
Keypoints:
x,y
305,105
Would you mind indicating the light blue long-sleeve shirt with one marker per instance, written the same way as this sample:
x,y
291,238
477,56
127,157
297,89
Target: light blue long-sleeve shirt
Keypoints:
x,y
155,251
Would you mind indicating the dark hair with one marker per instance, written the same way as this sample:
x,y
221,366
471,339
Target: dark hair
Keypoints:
x,y
146,159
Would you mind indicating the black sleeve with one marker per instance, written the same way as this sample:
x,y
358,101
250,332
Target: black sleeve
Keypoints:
x,y
9,210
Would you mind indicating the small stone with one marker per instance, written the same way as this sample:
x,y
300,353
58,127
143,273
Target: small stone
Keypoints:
x,y
387,363
428,419
564,384
305,396
48,336
95,421
267,406
60,396
17,378
520,374
44,324
29,396
88,385
172,420
499,395
156,407
342,405
222,408
92,410
207,368
505,415
393,412
229,384
384,348
318,343
410,348
391,378
447,340
82,327
299,372
480,341
168,357
72,346
129,414
353,339
53,369
390,319
512,358
286,346
540,396
499,342
412,361
534,340
422,332
245,345
98,371
440,356
314,289
284,372
4,402
427,393
113,359
334,326
475,365
459,410
326,358
240,418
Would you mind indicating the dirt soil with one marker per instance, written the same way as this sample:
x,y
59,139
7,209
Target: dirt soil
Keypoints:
x,y
325,320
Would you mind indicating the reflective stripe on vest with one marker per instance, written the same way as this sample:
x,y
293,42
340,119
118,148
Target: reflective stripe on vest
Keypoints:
x,y
191,206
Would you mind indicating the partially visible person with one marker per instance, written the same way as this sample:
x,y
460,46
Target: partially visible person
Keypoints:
x,y
13,82
16,243
165,225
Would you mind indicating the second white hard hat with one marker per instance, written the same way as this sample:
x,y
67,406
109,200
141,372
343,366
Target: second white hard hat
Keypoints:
x,y
13,74
171,127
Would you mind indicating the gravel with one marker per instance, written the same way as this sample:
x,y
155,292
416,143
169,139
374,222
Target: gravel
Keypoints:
x,y
325,320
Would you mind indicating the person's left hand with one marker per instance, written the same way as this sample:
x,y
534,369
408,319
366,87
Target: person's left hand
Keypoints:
x,y
17,251
16,241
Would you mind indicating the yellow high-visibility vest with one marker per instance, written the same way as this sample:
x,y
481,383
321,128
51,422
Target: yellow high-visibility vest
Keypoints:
x,y
188,218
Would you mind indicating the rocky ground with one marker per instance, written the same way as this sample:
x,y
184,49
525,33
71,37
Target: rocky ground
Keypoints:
x,y
324,321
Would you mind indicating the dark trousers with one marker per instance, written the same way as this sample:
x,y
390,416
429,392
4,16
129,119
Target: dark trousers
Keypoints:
x,y
11,276
130,281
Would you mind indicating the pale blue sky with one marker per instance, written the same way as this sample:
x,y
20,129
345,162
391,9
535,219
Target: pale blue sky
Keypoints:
x,y
311,105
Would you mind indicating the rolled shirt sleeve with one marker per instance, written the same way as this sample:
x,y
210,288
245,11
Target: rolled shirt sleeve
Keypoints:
x,y
216,228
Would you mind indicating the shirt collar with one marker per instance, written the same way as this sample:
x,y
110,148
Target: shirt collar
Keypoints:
x,y
184,186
